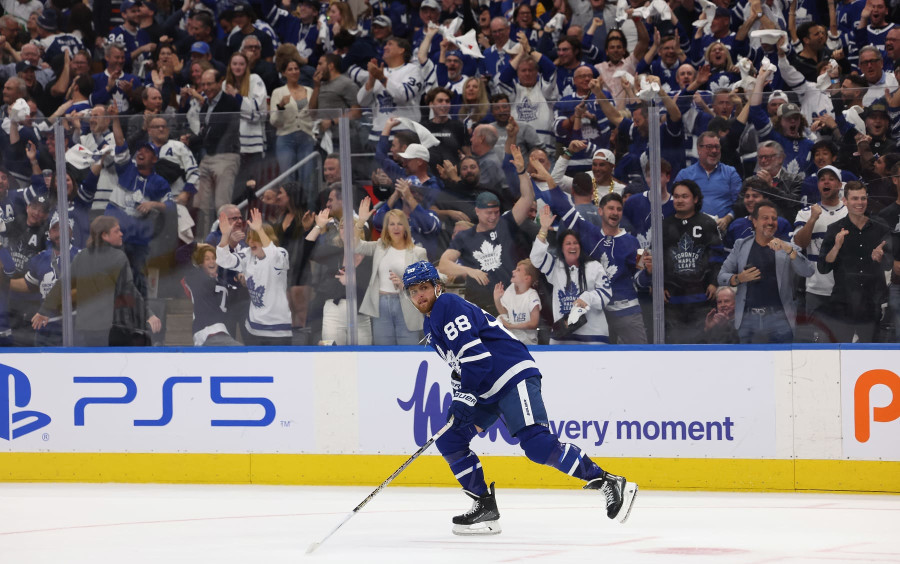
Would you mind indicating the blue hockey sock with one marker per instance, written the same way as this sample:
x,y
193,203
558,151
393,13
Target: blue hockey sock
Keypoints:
x,y
466,468
543,447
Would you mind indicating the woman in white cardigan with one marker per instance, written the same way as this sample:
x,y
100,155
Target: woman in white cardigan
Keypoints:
x,y
395,320
289,114
250,91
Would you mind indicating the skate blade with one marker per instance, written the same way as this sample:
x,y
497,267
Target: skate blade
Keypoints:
x,y
483,528
628,496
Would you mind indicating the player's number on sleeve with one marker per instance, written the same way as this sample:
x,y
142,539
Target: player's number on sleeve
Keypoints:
x,y
455,327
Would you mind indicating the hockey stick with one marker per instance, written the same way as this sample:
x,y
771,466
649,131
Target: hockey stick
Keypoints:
x,y
384,484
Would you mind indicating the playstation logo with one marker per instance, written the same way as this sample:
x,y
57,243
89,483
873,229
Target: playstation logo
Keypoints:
x,y
15,393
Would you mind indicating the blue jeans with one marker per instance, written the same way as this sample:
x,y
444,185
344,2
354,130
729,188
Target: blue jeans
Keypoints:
x,y
769,327
389,328
291,149
894,301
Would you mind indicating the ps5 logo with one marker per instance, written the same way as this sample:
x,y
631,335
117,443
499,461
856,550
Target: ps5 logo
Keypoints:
x,y
15,394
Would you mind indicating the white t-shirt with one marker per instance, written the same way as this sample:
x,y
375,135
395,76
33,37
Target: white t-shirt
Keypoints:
x,y
819,284
519,307
394,261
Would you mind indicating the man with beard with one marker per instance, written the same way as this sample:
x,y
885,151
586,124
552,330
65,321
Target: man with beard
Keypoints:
x,y
487,254
692,256
603,162
809,229
763,269
858,250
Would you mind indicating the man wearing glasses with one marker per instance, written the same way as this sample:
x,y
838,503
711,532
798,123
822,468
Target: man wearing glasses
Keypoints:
x,y
871,65
237,302
720,183
252,49
176,162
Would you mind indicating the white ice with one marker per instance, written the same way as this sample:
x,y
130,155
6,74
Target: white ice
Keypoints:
x,y
134,524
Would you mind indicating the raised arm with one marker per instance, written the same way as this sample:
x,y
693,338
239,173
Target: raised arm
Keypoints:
x,y
614,116
526,189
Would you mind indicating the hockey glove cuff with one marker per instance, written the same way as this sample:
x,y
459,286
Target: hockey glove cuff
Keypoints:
x,y
462,409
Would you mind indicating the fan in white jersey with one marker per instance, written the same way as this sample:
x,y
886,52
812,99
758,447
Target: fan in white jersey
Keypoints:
x,y
265,268
394,88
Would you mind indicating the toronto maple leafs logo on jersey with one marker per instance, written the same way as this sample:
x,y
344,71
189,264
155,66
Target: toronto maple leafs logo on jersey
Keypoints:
x,y
567,297
450,358
721,81
256,292
527,110
687,255
793,167
385,103
610,268
489,256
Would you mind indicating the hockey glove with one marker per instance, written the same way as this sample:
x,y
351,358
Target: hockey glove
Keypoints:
x,y
462,409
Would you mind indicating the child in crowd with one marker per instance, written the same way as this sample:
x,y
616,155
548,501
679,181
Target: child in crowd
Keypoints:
x,y
519,305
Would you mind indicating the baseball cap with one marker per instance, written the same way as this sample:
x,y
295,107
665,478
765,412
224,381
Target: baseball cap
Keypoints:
x,y
454,53
128,4
431,4
831,169
47,20
382,21
200,47
42,202
146,145
722,13
416,151
487,200
24,66
877,107
788,110
241,9
604,155
778,95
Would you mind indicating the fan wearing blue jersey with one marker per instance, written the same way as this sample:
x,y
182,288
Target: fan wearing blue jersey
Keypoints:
x,y
495,376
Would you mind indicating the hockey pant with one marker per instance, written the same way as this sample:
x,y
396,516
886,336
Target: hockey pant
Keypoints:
x,y
523,412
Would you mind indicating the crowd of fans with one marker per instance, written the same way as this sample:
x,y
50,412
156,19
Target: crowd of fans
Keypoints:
x,y
505,141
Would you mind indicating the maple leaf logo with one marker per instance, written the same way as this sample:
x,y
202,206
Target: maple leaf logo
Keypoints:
x,y
793,167
256,292
610,269
488,256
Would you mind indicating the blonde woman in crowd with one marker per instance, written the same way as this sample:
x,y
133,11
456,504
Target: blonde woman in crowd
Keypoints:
x,y
395,321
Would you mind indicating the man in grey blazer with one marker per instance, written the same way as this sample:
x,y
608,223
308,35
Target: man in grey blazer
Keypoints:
x,y
762,270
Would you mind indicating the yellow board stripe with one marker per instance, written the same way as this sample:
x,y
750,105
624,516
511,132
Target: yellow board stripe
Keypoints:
x,y
508,471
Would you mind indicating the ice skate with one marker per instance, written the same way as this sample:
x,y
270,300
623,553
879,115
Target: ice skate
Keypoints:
x,y
620,495
482,519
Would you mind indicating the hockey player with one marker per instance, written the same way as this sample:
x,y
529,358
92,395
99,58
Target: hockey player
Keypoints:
x,y
494,375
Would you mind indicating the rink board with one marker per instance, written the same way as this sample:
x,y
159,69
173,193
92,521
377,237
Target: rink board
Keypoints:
x,y
671,418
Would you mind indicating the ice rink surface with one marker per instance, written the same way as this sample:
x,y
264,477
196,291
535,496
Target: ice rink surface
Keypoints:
x,y
134,524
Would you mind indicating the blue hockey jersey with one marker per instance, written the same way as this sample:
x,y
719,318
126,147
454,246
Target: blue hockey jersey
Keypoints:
x,y
489,359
